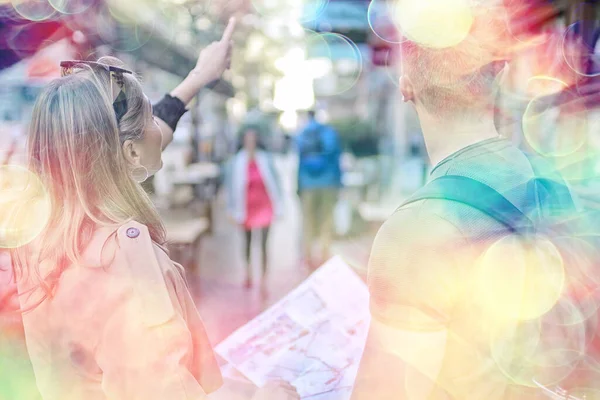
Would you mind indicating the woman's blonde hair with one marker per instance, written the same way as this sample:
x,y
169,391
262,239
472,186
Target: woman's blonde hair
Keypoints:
x,y
75,148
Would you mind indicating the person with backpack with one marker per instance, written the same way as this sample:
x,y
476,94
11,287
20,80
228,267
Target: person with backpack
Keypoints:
x,y
483,284
319,180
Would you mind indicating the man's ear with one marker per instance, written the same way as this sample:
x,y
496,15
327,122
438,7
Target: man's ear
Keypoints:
x,y
131,153
407,89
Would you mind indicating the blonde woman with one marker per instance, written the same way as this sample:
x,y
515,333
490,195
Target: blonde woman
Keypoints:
x,y
107,314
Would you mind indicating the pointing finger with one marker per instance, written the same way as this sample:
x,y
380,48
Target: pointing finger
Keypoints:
x,y
228,34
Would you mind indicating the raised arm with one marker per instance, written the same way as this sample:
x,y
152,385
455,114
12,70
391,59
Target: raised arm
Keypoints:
x,y
212,62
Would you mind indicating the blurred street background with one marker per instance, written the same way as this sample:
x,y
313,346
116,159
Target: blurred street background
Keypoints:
x,y
338,57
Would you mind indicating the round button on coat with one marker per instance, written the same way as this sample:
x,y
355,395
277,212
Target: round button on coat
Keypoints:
x,y
133,233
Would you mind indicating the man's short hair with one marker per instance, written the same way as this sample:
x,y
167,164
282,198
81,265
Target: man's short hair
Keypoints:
x,y
458,79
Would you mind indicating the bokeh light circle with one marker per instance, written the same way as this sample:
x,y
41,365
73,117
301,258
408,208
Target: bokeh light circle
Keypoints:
x,y
520,278
8,12
543,350
581,167
344,58
318,54
579,251
434,23
590,389
298,10
71,6
172,27
24,206
131,35
381,21
575,53
543,336
33,10
511,342
555,131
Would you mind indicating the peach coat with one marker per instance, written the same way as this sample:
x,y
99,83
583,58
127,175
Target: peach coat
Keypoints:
x,y
123,326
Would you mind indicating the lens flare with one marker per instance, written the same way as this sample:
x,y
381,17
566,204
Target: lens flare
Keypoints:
x,y
543,85
520,279
24,206
576,53
542,350
541,327
131,35
511,343
381,21
344,57
33,10
71,6
172,26
315,44
434,23
581,167
554,131
591,390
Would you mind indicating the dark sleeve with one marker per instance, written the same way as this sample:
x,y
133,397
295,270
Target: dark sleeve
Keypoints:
x,y
170,109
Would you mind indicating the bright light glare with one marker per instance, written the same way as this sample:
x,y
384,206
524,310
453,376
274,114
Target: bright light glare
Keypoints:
x,y
434,23
292,61
520,280
254,47
294,92
289,120
347,66
318,67
24,206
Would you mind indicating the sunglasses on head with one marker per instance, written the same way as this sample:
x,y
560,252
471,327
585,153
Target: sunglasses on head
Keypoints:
x,y
120,103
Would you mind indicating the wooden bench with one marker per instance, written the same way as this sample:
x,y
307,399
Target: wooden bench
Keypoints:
x,y
184,237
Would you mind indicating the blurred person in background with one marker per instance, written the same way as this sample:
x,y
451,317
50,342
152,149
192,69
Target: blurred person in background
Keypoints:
x,y
107,314
319,181
254,195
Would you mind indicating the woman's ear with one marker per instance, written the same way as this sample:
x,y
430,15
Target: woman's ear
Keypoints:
x,y
132,153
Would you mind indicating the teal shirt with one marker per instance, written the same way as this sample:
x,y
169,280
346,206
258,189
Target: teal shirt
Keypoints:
x,y
423,262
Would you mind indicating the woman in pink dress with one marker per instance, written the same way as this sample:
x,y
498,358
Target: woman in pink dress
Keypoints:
x,y
254,193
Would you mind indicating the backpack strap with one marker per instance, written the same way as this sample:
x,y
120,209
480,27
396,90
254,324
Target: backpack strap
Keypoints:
x,y
551,191
477,195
